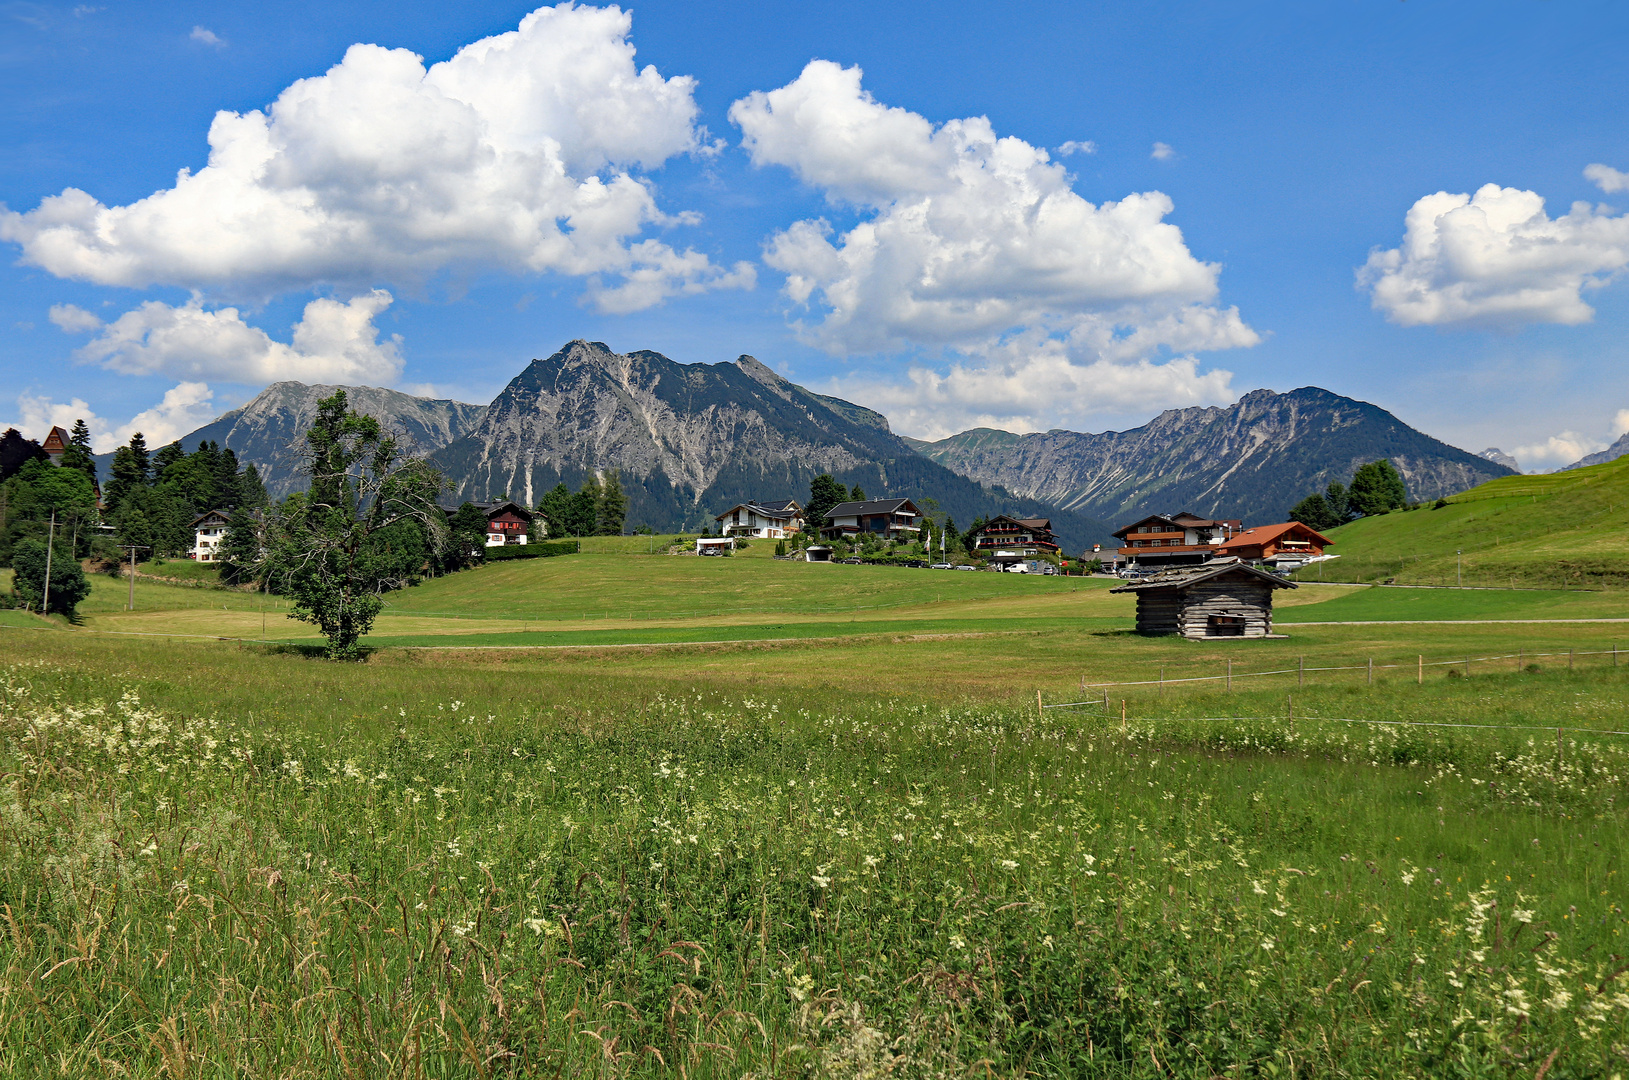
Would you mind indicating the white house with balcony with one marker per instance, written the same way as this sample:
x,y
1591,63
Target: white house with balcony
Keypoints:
x,y
764,520
208,530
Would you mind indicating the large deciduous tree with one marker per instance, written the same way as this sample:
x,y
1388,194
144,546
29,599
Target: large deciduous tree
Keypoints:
x,y
68,583
1376,488
351,538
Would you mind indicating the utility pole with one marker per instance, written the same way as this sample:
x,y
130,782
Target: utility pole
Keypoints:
x,y
1459,569
133,548
50,537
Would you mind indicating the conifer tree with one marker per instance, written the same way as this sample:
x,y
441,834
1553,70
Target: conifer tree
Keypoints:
x,y
610,507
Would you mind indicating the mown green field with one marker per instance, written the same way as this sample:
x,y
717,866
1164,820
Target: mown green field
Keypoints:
x,y
1557,530
868,851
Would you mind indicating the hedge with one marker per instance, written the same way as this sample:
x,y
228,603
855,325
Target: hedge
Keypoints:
x,y
546,549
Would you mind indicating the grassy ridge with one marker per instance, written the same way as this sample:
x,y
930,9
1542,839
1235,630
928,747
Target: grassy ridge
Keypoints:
x,y
1561,529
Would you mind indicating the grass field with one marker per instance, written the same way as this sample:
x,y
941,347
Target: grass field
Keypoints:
x,y
864,852
1557,530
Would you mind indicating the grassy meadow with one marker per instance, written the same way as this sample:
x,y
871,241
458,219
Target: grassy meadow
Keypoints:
x,y
863,851
1556,530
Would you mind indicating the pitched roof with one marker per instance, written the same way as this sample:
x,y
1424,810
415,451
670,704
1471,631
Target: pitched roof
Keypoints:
x,y
56,441
491,509
871,506
781,511
224,515
1028,523
1183,576
1266,534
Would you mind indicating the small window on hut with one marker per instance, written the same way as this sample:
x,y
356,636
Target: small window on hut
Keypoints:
x,y
1226,626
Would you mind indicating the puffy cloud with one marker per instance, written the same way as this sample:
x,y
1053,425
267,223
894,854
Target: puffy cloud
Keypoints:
x,y
514,154
1620,423
207,37
1556,451
1496,258
71,319
1607,178
1162,152
332,342
1035,384
1085,146
969,237
185,407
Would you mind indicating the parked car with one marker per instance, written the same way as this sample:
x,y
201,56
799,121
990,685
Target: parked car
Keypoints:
x,y
967,566
853,562
941,566
1016,568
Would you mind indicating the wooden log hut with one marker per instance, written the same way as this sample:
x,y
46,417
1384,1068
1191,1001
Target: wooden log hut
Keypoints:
x,y
1224,598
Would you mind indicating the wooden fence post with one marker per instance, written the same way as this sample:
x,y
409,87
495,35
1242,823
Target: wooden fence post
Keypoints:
x,y
1122,716
1569,659
1419,671
1040,710
1230,676
1300,672
1371,671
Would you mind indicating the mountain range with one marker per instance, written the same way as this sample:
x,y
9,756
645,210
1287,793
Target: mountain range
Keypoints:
x,y
1253,459
692,440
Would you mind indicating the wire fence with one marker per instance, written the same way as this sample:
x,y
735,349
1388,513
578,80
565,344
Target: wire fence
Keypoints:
x,y
1301,669
1291,717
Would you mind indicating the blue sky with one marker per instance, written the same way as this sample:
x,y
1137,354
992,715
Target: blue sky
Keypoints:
x,y
1024,216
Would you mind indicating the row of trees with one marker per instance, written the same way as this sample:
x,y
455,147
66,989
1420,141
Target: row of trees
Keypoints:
x,y
1376,488
36,492
598,508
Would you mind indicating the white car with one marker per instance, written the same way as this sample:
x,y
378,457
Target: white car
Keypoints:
x,y
966,567
1017,568
941,566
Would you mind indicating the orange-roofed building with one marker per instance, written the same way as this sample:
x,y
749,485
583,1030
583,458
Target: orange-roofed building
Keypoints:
x,y
1285,546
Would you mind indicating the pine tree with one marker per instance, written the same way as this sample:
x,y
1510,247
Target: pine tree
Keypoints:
x,y
855,494
131,471
584,508
77,454
610,507
167,456
824,493
251,492
555,509
1314,512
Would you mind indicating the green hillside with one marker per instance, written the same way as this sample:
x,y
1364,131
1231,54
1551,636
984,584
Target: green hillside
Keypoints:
x,y
1563,529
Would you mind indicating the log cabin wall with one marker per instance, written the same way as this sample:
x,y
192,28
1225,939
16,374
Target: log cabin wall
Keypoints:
x,y
1187,610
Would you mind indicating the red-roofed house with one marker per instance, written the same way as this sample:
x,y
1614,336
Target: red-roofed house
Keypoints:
x,y
1285,546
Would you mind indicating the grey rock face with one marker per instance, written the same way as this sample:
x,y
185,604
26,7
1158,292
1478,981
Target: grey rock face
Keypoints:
x,y
270,430
1252,460
1499,457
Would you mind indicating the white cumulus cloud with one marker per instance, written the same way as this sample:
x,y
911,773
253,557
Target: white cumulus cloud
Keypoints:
x,y
1620,423
1034,383
1607,178
332,342
1074,146
1162,152
1496,258
516,154
971,241
207,37
1556,451
185,407
970,236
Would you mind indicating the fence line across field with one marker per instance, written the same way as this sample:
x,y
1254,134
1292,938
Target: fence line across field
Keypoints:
x,y
1295,718
1302,670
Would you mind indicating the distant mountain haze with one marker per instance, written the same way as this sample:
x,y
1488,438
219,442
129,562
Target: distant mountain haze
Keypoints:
x,y
1252,460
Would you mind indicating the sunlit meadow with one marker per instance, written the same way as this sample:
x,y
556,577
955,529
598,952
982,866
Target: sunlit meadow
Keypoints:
x,y
705,883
